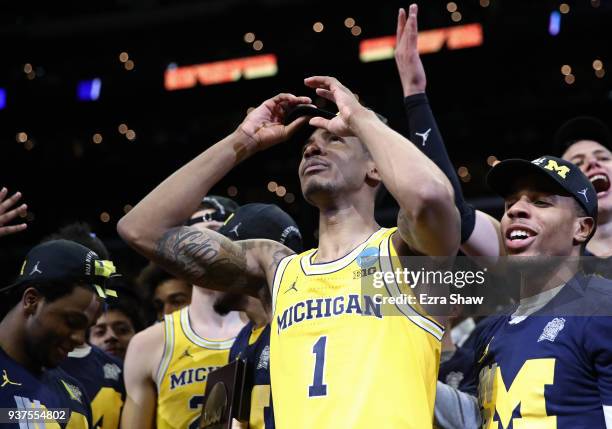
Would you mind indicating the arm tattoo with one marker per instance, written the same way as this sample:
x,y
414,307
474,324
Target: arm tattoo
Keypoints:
x,y
208,260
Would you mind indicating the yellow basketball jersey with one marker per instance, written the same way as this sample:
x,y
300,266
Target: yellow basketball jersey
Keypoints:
x,y
181,377
338,360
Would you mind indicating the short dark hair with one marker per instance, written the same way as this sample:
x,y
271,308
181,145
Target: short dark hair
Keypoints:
x,y
151,277
80,232
130,308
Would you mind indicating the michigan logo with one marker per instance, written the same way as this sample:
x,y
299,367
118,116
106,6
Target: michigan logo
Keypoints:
x,y
552,165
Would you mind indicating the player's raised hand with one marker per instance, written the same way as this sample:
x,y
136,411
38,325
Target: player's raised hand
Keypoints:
x,y
348,105
264,125
7,213
409,65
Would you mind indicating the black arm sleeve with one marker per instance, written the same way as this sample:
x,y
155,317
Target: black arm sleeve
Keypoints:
x,y
423,131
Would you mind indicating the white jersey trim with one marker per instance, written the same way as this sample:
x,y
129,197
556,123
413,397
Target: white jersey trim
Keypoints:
x,y
405,308
311,268
278,277
199,341
168,349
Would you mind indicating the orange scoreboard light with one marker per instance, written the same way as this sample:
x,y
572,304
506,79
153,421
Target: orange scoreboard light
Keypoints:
x,y
220,72
456,37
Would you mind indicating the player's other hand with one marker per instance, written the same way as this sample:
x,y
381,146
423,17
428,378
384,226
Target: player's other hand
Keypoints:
x,y
349,108
409,65
8,213
264,125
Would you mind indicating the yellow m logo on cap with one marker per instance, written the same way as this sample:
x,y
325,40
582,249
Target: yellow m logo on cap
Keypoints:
x,y
560,170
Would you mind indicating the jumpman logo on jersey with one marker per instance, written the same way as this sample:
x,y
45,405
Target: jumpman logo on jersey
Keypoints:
x,y
35,270
292,287
6,380
235,229
424,135
584,192
186,354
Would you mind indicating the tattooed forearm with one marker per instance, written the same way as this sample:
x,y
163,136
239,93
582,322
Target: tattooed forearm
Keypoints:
x,y
204,258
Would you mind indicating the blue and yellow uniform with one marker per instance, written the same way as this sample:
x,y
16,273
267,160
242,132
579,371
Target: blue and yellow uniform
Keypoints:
x,y
253,345
553,369
20,389
181,378
102,377
338,359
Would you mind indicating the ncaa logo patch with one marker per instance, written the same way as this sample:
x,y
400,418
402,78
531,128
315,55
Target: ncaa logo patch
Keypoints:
x,y
367,257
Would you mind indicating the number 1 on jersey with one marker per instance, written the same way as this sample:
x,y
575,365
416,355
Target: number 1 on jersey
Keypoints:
x,y
318,388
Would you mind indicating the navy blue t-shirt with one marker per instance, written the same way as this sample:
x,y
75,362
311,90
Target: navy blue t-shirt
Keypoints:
x,y
554,368
459,369
254,347
23,390
102,377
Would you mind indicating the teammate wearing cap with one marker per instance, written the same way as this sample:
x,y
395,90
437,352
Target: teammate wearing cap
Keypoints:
x,y
257,221
54,300
558,365
100,374
322,373
167,364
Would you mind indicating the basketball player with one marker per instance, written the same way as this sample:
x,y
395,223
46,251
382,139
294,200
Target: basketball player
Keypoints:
x,y
7,213
167,364
165,292
100,374
334,361
54,300
257,221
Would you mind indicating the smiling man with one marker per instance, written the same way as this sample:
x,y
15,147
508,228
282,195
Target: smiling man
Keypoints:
x,y
54,300
548,362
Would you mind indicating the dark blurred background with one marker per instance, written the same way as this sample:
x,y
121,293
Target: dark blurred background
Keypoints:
x,y
73,160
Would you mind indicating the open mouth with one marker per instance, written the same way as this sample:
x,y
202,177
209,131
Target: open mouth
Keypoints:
x,y
601,182
519,237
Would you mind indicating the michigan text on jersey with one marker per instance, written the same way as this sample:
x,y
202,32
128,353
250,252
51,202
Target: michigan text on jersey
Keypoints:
x,y
328,307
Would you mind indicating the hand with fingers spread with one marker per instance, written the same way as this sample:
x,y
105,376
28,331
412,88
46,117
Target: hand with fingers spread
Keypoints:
x,y
264,125
348,105
7,213
407,57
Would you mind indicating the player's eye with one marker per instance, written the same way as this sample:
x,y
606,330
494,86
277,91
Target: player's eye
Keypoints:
x,y
97,332
542,203
122,329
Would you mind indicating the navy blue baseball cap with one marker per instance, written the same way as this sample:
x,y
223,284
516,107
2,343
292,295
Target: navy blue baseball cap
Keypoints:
x,y
582,128
61,261
562,174
310,111
263,221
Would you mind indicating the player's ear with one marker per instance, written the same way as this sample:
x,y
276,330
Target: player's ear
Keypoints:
x,y
30,300
372,174
582,229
